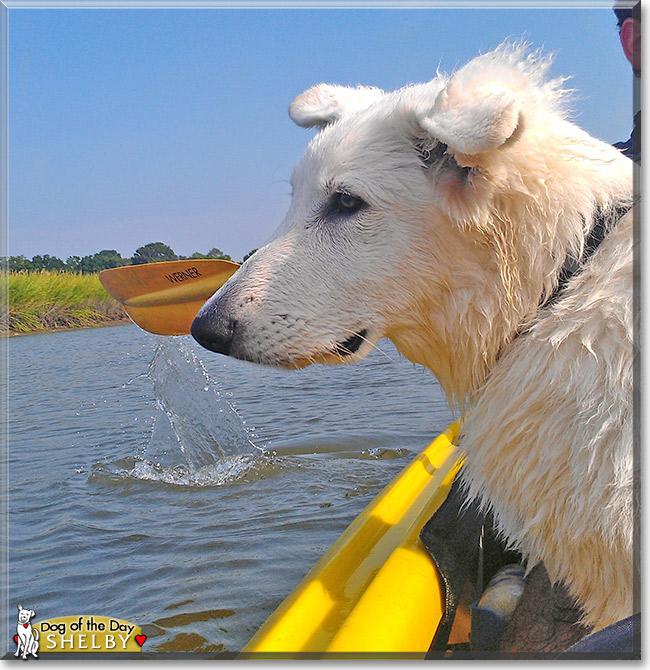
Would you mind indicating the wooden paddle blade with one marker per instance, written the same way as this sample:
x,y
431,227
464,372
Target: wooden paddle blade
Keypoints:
x,y
163,298
170,319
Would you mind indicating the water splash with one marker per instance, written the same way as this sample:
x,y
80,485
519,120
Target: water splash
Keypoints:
x,y
192,409
198,437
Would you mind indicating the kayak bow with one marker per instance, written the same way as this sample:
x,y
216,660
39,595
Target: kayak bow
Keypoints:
x,y
376,590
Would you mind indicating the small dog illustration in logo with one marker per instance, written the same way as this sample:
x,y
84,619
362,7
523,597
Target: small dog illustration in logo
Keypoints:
x,y
26,637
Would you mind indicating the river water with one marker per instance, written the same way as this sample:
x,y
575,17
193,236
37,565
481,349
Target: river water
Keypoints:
x,y
185,492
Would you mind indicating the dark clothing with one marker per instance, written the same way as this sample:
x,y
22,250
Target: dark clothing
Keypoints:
x,y
632,148
620,640
463,544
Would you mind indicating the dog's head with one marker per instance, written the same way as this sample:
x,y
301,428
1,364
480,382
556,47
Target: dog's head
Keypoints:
x,y
25,616
399,223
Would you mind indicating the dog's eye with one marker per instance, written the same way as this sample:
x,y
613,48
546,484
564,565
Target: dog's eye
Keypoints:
x,y
346,203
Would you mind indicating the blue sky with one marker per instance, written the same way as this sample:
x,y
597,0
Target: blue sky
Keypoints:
x,y
129,126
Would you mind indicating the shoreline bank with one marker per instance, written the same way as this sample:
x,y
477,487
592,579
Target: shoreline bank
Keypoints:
x,y
48,301
44,331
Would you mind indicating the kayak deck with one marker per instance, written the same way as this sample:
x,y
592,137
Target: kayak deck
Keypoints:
x,y
376,590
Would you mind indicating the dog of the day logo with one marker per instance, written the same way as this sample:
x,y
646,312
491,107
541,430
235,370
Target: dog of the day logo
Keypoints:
x,y
78,633
26,637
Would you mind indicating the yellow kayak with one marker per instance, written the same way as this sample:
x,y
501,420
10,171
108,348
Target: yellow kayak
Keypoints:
x,y
376,590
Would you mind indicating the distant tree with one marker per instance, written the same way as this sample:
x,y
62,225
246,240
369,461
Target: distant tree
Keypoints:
x,y
108,258
87,265
152,253
196,254
218,254
102,260
248,255
19,263
47,262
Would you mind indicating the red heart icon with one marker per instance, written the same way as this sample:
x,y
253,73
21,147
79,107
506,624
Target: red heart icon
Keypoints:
x,y
25,625
15,638
140,639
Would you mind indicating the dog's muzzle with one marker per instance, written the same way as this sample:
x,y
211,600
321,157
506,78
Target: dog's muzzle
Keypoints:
x,y
214,329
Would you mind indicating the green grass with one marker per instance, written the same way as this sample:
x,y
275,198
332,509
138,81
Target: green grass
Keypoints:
x,y
49,300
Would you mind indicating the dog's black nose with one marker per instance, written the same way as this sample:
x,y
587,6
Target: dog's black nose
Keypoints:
x,y
214,331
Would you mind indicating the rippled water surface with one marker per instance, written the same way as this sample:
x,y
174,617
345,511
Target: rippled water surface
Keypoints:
x,y
186,492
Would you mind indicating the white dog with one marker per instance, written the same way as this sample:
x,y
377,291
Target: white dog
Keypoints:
x,y
27,636
441,216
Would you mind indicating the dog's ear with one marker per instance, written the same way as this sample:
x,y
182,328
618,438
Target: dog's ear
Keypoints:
x,y
32,613
325,103
471,115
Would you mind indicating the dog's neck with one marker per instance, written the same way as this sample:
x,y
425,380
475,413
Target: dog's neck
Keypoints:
x,y
460,357
463,348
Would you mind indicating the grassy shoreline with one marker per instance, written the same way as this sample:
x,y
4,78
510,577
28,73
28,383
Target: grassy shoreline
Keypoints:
x,y
62,329
48,301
